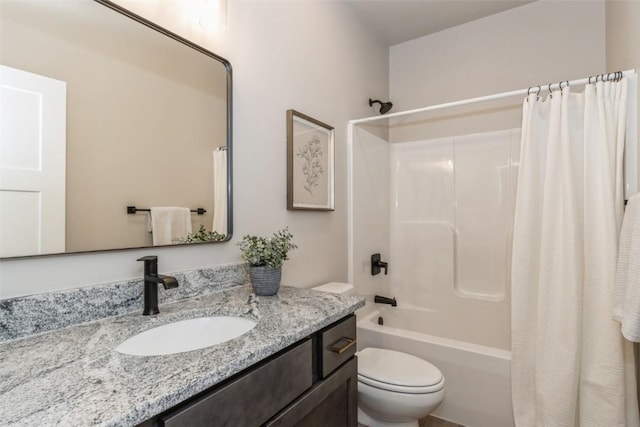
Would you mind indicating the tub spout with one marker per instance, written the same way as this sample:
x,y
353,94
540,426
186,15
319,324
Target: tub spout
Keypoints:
x,y
385,300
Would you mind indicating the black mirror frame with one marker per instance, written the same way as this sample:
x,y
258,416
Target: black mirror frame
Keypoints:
x,y
229,121
229,129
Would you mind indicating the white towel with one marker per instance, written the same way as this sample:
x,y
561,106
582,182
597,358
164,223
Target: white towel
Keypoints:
x,y
626,309
169,223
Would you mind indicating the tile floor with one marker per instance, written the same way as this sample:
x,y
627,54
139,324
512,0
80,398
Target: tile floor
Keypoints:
x,y
432,422
437,422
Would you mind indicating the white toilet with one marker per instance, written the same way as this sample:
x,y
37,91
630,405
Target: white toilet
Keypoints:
x,y
394,388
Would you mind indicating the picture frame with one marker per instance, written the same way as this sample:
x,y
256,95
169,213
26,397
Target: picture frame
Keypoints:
x,y
310,163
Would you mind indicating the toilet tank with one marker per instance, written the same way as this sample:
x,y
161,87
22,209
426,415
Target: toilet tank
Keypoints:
x,y
336,288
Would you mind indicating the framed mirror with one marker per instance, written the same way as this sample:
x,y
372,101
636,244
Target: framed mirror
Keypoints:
x,y
104,116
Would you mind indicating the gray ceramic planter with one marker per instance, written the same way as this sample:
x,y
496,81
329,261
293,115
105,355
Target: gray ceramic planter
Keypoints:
x,y
265,280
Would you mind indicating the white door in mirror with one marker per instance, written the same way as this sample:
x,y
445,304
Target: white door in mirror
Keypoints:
x,y
186,335
32,163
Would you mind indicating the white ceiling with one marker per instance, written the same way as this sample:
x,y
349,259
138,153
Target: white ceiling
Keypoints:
x,y
397,21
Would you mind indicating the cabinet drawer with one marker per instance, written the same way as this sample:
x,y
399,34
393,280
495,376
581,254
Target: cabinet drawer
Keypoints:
x,y
253,398
338,344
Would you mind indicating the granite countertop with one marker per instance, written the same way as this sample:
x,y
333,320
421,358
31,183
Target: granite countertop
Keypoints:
x,y
73,376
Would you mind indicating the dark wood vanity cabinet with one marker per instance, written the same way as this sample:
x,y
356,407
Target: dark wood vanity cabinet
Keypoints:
x,y
331,402
333,398
311,383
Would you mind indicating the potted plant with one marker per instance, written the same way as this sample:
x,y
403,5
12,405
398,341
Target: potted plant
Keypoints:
x,y
202,236
265,256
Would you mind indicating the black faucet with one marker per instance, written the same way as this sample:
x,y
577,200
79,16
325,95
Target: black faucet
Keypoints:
x,y
385,300
377,264
151,281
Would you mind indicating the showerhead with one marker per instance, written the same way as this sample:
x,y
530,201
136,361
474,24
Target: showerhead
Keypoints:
x,y
385,107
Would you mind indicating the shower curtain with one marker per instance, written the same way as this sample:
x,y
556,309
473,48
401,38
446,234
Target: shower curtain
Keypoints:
x,y
219,223
570,363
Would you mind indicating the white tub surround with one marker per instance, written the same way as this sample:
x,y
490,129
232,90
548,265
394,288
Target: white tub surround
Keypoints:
x,y
444,225
73,376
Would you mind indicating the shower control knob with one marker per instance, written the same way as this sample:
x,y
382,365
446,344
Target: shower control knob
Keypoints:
x,y
377,265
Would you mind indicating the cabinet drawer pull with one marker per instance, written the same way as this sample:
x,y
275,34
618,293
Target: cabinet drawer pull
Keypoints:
x,y
342,345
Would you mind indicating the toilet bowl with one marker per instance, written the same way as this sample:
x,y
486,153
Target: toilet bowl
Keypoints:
x,y
394,388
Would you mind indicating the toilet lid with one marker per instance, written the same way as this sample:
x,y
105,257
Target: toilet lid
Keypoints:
x,y
396,371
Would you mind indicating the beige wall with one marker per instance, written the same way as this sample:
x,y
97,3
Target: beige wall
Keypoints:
x,y
310,56
541,42
623,36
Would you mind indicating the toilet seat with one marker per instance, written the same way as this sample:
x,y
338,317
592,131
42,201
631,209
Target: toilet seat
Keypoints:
x,y
398,372
401,389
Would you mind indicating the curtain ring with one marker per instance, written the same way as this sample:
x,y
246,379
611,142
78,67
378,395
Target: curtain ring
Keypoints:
x,y
619,75
560,84
589,81
609,78
550,91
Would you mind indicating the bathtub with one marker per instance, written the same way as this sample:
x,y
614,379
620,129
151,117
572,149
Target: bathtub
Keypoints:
x,y
477,377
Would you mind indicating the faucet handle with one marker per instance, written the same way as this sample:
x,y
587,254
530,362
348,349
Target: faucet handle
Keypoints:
x,y
150,264
377,264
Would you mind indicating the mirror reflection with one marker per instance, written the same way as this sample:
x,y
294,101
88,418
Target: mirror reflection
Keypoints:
x,y
103,118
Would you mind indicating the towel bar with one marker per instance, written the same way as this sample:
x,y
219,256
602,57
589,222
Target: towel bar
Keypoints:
x,y
133,209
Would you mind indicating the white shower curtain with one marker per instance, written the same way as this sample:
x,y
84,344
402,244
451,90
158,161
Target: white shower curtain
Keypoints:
x,y
219,223
570,363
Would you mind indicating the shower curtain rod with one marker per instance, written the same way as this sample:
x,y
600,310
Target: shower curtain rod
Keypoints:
x,y
536,89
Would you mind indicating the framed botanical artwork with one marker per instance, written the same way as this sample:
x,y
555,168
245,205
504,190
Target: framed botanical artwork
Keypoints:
x,y
310,163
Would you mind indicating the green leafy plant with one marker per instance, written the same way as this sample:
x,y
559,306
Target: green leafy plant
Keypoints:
x,y
202,236
267,251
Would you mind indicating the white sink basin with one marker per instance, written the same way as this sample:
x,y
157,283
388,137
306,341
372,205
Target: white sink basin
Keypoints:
x,y
186,335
